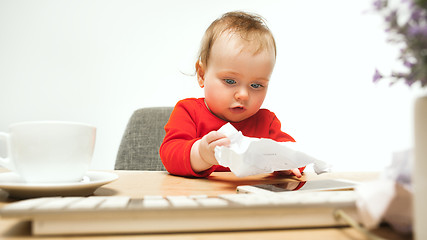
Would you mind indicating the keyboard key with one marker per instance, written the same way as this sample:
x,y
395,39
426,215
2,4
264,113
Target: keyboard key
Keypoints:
x,y
115,202
198,196
155,203
315,198
344,197
283,200
212,202
248,199
27,204
87,203
176,198
182,201
57,203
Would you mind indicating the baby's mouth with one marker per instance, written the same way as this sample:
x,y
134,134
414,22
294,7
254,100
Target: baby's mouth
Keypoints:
x,y
237,109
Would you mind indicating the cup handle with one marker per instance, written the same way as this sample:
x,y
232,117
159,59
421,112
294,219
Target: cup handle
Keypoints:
x,y
6,162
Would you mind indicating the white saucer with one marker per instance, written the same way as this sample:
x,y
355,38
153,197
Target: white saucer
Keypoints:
x,y
13,184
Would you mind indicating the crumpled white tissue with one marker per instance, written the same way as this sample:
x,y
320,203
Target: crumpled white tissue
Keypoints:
x,y
388,198
246,156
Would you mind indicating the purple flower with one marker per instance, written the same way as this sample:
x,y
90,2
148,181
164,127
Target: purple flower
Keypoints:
x,y
417,30
416,15
408,64
377,76
378,4
412,34
392,17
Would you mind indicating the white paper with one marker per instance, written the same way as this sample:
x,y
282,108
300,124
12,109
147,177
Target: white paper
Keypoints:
x,y
388,198
247,156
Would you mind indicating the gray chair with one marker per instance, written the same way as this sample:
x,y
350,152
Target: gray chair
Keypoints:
x,y
139,148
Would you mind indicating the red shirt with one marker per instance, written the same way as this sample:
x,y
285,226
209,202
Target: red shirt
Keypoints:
x,y
191,120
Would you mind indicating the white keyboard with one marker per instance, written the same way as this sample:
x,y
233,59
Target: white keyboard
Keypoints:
x,y
154,214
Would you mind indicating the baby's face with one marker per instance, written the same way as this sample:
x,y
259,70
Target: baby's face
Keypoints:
x,y
236,78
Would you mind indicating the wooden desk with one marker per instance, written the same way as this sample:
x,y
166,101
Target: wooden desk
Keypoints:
x,y
140,183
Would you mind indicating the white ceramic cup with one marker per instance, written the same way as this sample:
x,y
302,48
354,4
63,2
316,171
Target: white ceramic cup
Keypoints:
x,y
49,151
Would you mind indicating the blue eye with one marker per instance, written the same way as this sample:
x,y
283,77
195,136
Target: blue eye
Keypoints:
x,y
229,81
256,85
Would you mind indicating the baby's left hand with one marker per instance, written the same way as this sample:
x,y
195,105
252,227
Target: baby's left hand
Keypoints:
x,y
294,171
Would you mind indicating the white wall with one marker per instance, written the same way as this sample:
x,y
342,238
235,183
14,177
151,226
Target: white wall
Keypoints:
x,y
98,61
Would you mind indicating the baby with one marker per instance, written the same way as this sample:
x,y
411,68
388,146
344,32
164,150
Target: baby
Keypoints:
x,y
236,59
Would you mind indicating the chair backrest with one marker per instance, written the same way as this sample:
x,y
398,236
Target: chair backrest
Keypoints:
x,y
139,148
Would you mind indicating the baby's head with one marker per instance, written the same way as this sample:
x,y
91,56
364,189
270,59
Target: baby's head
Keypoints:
x,y
236,59
251,28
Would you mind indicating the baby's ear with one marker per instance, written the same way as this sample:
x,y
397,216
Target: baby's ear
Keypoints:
x,y
200,71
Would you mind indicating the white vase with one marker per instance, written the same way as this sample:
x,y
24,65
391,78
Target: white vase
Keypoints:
x,y
420,168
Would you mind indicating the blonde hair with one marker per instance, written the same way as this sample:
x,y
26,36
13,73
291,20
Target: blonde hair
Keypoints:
x,y
250,27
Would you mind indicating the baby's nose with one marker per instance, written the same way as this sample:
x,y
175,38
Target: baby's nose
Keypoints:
x,y
241,94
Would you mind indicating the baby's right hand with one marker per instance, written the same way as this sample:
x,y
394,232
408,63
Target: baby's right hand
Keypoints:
x,y
208,143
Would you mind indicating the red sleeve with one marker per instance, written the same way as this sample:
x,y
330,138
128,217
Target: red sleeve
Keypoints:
x,y
276,133
279,136
180,137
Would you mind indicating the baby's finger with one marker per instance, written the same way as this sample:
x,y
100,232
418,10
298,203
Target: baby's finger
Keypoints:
x,y
296,172
220,142
282,173
213,136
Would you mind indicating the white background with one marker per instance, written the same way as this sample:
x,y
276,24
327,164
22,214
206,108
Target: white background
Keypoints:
x,y
98,61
